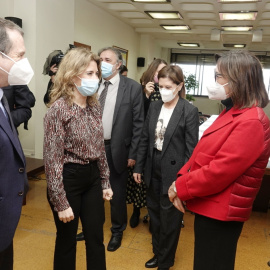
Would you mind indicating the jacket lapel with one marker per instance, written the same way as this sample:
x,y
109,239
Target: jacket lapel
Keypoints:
x,y
120,94
153,123
10,130
175,118
224,119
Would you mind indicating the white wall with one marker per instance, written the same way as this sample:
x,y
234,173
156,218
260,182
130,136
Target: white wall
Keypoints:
x,y
54,30
51,25
95,27
16,8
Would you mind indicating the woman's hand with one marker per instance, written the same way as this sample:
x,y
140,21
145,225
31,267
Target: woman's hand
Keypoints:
x,y
149,89
178,204
137,177
66,215
171,192
174,199
107,194
54,68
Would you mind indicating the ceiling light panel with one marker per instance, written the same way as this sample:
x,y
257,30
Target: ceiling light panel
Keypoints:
x,y
190,45
230,1
240,16
151,1
236,28
234,45
164,15
176,27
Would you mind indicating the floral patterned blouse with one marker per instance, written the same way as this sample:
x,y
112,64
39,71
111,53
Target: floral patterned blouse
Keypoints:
x,y
72,135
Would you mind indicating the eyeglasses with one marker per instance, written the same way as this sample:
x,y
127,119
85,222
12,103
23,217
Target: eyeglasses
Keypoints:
x,y
218,76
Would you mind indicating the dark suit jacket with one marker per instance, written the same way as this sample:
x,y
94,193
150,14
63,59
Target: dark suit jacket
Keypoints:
x,y
128,121
180,138
12,179
20,100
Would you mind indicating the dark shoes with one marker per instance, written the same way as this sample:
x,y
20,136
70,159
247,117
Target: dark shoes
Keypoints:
x,y
152,263
80,236
163,268
114,243
135,218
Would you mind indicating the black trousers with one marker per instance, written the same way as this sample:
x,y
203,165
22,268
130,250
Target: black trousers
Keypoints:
x,y
84,193
165,219
6,258
215,243
118,203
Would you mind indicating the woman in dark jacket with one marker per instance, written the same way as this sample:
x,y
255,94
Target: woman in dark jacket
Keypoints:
x,y
169,136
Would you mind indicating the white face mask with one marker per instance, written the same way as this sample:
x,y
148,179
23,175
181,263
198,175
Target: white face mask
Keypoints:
x,y
216,91
20,73
167,95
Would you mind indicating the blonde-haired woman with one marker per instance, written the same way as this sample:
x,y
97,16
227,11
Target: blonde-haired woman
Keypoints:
x,y
75,161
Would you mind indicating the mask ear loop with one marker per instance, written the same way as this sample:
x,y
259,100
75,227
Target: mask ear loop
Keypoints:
x,y
8,57
5,71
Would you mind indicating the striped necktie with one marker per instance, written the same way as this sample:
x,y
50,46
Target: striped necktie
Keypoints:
x,y
103,95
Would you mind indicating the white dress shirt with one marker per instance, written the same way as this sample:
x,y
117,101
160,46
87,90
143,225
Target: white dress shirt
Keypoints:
x,y
109,106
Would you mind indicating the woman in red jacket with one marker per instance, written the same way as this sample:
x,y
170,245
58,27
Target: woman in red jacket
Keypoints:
x,y
223,176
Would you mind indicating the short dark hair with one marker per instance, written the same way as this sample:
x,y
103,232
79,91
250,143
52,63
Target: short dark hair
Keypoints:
x,y
123,69
175,74
244,73
116,52
5,43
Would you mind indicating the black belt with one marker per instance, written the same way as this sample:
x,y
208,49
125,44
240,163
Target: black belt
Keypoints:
x,y
106,142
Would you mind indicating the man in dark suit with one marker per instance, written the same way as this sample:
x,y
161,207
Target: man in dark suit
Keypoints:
x,y
12,165
122,118
20,100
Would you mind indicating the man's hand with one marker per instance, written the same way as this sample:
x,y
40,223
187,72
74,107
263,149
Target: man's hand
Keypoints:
x,y
131,162
66,215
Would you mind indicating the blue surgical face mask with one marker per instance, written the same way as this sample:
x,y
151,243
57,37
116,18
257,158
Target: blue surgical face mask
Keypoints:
x,y
106,69
88,87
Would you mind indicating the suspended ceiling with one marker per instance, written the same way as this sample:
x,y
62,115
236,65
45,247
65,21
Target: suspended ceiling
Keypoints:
x,y
201,16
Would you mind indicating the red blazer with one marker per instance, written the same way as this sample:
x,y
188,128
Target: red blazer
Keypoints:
x,y
224,174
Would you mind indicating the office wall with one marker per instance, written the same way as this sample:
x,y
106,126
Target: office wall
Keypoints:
x,y
16,8
50,25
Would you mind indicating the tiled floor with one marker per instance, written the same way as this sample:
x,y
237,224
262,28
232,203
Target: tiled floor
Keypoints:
x,y
35,236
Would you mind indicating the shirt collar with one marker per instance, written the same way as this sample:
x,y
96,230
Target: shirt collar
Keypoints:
x,y
114,79
1,93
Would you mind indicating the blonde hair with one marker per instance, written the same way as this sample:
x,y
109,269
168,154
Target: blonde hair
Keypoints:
x,y
74,63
